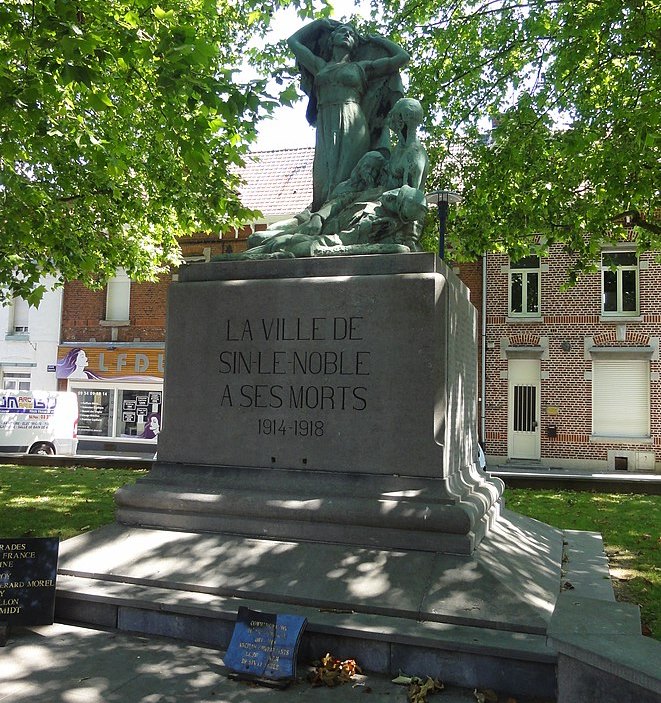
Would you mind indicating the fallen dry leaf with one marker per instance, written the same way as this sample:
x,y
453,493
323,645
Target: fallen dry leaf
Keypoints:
x,y
419,690
333,672
403,680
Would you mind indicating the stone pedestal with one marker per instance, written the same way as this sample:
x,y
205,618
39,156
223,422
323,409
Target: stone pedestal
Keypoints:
x,y
329,400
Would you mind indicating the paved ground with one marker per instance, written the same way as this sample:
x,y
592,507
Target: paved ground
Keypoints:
x,y
64,664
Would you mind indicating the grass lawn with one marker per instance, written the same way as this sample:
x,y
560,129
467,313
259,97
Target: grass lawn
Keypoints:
x,y
58,502
63,502
629,525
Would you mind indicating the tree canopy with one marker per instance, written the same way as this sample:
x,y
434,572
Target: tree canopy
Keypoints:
x,y
543,114
121,125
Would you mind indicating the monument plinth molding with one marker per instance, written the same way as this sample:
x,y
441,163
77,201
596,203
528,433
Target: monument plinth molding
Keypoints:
x,y
321,399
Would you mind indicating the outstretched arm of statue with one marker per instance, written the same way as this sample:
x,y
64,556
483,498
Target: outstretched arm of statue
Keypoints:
x,y
297,43
397,58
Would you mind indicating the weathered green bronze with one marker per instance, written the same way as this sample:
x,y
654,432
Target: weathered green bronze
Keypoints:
x,y
367,193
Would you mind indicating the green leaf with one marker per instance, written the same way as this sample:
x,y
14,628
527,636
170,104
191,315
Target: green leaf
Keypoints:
x,y
100,101
132,19
289,95
120,132
161,14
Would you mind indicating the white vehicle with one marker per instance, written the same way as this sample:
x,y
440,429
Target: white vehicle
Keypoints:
x,y
481,459
38,422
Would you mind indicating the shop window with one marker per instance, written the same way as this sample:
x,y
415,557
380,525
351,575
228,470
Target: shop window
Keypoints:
x,y
95,411
122,413
621,398
524,287
118,297
619,283
16,381
140,414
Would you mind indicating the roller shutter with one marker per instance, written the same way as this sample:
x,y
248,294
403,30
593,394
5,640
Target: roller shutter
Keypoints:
x,y
621,398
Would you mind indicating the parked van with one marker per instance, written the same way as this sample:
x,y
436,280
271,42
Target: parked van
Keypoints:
x,y
38,422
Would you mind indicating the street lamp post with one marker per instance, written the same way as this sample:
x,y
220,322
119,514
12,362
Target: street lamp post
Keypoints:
x,y
442,199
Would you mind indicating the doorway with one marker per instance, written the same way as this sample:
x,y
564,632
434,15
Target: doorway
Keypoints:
x,y
523,431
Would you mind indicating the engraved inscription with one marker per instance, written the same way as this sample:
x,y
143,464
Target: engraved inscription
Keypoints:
x,y
294,364
264,645
27,580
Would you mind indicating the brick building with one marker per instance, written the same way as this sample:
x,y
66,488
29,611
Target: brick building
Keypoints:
x,y
571,377
112,348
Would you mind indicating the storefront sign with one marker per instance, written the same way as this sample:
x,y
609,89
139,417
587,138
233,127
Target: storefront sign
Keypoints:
x,y
97,363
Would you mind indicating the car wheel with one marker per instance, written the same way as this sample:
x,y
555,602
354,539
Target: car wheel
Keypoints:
x,y
43,449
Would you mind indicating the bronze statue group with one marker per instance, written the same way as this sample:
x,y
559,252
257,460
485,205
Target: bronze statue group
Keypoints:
x,y
369,166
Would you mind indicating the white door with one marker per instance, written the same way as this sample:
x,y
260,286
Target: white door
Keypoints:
x,y
523,409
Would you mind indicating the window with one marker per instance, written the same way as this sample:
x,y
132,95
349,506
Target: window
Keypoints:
x,y
118,297
140,413
525,287
619,282
16,381
621,398
119,412
20,317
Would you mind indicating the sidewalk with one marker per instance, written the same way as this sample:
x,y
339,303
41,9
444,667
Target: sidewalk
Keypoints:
x,y
65,664
531,475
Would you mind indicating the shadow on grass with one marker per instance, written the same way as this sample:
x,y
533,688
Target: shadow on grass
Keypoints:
x,y
629,525
57,502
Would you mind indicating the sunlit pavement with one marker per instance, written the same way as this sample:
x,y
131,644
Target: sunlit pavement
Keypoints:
x,y
65,664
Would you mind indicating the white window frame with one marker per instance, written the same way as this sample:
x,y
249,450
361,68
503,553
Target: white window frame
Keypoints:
x,y
19,324
118,297
620,312
621,398
524,272
16,381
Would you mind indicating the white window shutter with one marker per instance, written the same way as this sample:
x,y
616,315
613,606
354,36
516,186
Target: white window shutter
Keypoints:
x,y
21,315
621,397
118,298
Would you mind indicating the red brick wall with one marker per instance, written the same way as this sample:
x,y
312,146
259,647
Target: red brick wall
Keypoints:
x,y
567,316
147,311
83,309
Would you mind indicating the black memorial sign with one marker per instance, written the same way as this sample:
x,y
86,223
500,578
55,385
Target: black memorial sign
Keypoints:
x,y
28,570
264,647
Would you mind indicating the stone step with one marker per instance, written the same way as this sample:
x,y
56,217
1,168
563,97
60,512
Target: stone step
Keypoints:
x,y
398,512
461,655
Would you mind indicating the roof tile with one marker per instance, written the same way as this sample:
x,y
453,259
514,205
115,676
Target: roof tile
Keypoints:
x,y
279,182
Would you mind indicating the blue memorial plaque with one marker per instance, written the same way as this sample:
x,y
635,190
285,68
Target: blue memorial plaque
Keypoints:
x,y
28,570
264,646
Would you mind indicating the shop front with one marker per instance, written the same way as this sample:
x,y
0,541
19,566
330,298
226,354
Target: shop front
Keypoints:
x,y
120,395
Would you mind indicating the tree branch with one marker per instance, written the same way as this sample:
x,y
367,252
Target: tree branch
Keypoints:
x,y
79,196
637,220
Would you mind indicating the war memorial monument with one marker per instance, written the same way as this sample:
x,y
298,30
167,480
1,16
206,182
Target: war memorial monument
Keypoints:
x,y
319,451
